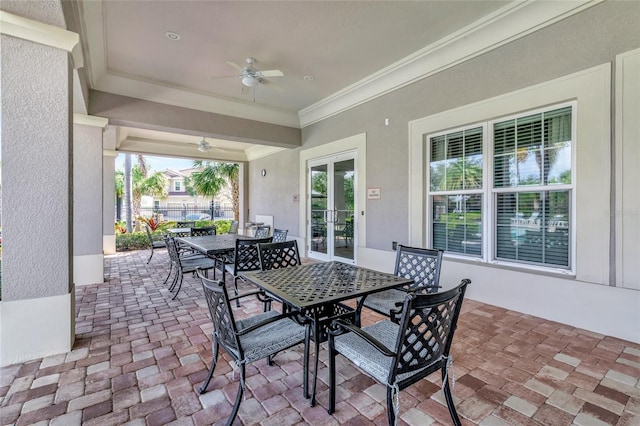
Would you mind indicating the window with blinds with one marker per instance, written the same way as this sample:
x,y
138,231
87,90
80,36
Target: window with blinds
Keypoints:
x,y
528,201
532,187
455,182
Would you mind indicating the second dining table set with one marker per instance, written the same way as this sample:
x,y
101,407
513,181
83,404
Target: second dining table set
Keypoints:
x,y
412,341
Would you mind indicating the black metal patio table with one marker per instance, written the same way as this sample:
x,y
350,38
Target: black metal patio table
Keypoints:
x,y
214,246
316,290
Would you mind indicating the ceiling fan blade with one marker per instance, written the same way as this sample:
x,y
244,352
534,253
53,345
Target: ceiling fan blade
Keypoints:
x,y
272,73
236,66
271,85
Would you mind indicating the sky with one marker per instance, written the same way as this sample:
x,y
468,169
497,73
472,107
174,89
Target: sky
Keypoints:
x,y
156,164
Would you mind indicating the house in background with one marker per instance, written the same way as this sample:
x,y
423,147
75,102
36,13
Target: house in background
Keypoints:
x,y
179,204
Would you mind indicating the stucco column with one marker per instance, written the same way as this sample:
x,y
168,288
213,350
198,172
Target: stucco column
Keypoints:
x,y
109,155
87,199
37,315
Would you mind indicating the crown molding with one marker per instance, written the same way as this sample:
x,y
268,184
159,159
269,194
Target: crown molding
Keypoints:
x,y
507,24
90,120
45,34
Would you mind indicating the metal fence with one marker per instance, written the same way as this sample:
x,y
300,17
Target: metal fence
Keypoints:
x,y
187,213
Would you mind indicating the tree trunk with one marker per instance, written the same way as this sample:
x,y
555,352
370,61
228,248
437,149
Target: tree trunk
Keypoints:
x,y
127,192
235,198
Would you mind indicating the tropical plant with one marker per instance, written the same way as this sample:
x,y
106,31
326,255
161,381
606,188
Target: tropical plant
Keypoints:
x,y
231,172
144,184
210,179
152,223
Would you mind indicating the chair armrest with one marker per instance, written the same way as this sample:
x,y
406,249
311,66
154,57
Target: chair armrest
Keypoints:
x,y
248,293
341,324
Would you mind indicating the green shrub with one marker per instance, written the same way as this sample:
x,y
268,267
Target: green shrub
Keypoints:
x,y
133,241
140,241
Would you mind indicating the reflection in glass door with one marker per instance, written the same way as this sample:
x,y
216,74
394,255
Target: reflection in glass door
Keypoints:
x,y
332,222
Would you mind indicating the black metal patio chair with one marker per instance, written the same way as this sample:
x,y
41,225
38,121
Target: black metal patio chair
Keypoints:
x,y
414,343
202,231
280,235
233,229
246,340
262,231
245,258
184,264
154,244
419,264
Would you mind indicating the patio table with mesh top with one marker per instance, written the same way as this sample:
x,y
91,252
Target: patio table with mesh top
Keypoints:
x,y
214,246
316,290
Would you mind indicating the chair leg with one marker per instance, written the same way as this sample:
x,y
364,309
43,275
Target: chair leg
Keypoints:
x,y
236,405
169,274
235,290
332,377
150,256
305,370
449,398
214,361
391,414
179,287
175,279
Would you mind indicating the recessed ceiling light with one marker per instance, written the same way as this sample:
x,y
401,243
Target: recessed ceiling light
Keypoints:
x,y
309,77
172,36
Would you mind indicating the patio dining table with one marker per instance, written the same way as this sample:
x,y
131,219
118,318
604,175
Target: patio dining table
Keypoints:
x,y
214,246
316,290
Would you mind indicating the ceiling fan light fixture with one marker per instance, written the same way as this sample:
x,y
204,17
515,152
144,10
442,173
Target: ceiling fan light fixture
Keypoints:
x,y
250,81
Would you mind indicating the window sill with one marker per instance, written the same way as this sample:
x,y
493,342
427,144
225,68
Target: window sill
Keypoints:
x,y
529,269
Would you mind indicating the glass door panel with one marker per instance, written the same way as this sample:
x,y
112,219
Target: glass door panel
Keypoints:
x,y
319,212
331,228
344,203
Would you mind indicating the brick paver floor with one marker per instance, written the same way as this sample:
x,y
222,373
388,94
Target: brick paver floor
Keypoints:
x,y
139,357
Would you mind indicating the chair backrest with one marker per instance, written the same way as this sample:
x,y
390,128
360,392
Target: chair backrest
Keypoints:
x,y
224,324
207,230
278,255
421,265
185,224
233,229
172,248
427,324
262,231
149,235
245,255
182,234
280,235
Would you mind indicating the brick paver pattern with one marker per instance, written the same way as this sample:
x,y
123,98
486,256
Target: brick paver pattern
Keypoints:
x,y
139,357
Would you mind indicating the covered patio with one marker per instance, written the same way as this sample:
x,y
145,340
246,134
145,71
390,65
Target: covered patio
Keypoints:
x,y
139,357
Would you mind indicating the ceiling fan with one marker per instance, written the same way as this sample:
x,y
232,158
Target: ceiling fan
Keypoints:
x,y
252,77
204,146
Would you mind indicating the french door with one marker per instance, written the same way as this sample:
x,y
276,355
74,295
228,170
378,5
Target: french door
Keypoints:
x,y
331,222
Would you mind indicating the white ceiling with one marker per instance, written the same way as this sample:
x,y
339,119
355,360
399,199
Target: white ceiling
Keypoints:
x,y
342,44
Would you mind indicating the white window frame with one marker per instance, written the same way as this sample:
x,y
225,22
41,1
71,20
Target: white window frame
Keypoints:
x,y
177,185
482,191
492,198
489,192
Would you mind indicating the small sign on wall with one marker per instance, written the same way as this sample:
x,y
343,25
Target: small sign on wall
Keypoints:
x,y
373,193
296,198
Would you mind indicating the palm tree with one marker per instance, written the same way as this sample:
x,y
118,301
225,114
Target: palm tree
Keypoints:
x,y
211,178
153,185
206,181
231,172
